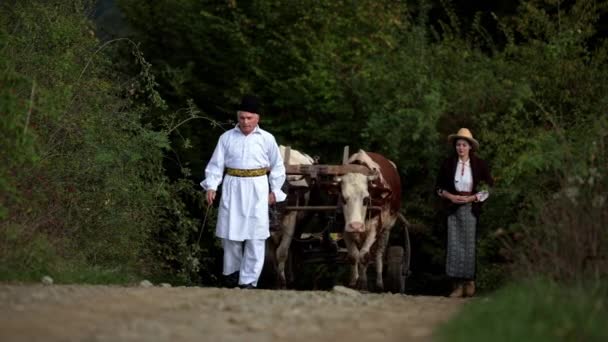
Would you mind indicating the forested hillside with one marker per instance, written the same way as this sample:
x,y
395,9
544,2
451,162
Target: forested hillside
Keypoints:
x,y
84,195
104,138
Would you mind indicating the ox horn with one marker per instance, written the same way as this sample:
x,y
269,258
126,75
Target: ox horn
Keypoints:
x,y
337,179
372,177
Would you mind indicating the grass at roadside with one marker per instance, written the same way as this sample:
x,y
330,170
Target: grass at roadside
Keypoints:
x,y
67,273
34,256
533,311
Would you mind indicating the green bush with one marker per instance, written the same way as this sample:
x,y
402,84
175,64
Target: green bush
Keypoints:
x,y
95,168
82,183
568,240
387,77
532,311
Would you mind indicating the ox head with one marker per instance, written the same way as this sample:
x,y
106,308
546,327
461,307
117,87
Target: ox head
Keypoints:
x,y
296,158
356,197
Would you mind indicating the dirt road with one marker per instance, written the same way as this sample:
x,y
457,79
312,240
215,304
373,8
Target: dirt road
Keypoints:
x,y
109,313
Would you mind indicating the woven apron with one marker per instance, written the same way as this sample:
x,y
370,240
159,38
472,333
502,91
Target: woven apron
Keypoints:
x,y
460,258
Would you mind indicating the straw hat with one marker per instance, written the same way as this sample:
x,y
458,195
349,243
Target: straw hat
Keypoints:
x,y
464,133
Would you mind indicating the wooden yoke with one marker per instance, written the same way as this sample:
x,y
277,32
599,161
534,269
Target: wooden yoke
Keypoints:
x,y
329,170
313,171
323,175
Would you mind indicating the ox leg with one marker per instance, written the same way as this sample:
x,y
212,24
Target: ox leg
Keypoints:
x,y
362,282
364,254
288,228
370,238
353,257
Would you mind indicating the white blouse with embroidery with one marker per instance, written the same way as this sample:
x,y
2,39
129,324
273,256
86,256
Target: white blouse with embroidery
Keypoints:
x,y
463,180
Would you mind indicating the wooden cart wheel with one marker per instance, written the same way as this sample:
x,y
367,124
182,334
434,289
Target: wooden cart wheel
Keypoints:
x,y
398,263
395,279
408,251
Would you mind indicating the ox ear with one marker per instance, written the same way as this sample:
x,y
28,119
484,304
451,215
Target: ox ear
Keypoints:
x,y
385,193
380,192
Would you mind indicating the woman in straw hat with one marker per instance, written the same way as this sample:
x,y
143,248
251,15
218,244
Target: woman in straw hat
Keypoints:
x,y
461,184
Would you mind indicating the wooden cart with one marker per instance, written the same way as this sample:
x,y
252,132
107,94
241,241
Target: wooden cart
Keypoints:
x,y
323,243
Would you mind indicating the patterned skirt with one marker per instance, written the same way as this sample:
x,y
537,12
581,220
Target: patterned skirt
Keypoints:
x,y
460,257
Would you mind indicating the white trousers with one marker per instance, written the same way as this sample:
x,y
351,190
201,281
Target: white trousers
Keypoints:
x,y
245,257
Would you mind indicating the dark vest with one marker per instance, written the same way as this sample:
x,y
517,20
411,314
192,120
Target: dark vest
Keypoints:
x,y
445,180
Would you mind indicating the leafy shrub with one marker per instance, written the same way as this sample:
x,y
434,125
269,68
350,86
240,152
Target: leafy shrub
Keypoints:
x,y
333,74
568,240
533,311
82,182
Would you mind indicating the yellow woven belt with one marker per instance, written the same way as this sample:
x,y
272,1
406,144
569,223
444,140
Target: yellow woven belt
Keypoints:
x,y
246,173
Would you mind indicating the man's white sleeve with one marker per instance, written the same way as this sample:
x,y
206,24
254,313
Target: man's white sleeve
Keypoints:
x,y
277,171
215,169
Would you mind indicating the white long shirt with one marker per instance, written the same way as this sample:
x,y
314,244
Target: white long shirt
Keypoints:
x,y
243,209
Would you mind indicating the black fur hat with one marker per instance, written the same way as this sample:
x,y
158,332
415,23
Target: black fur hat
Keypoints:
x,y
250,104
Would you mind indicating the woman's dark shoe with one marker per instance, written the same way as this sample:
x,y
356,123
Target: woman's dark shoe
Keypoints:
x,y
247,286
469,289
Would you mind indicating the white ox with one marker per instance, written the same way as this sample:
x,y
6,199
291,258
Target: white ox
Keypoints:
x,y
284,237
366,234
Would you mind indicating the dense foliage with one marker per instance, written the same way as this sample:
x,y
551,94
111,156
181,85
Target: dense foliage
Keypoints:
x,y
81,177
533,311
385,76
104,143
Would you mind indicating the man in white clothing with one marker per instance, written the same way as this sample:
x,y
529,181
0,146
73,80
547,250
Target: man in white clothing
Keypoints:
x,y
254,173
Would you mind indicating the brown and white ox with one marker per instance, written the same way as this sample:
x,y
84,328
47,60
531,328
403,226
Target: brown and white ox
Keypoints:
x,y
366,234
284,237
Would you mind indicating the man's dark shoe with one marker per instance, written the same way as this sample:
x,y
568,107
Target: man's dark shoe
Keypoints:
x,y
231,280
247,286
